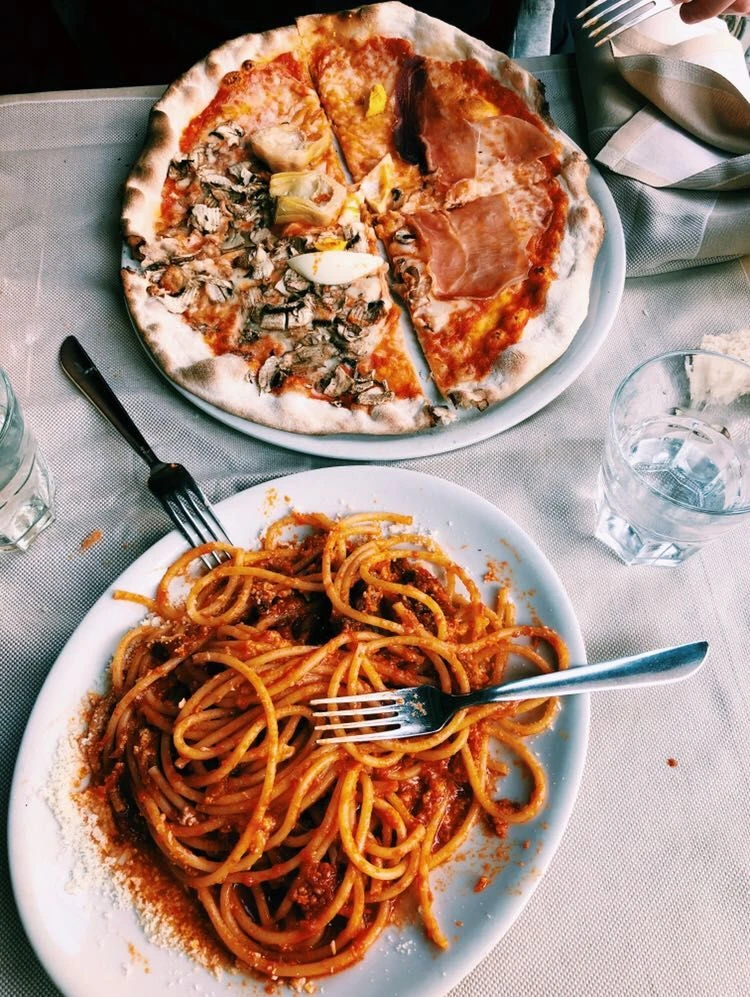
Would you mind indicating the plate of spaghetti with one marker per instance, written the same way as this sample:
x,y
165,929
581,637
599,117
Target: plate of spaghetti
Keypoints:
x,y
175,818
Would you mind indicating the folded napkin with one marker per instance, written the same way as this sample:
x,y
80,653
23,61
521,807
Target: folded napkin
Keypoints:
x,y
668,114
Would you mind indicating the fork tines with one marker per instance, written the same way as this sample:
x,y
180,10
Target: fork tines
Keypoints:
x,y
366,697
616,16
187,506
386,715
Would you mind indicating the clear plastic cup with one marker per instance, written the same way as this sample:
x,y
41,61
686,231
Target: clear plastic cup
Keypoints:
x,y
26,489
676,467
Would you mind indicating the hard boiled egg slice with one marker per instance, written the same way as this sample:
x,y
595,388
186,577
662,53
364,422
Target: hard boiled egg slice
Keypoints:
x,y
335,266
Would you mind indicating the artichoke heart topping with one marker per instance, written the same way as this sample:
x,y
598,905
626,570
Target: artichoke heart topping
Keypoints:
x,y
310,197
376,185
284,147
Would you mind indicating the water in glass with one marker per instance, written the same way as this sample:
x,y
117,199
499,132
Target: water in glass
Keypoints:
x,y
676,467
25,482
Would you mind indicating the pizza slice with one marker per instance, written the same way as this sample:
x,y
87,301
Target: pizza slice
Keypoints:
x,y
256,280
481,201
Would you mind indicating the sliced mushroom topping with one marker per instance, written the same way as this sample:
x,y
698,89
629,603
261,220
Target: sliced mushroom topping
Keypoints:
x,y
241,212
173,280
365,313
242,173
233,240
352,236
405,237
476,398
206,218
181,302
348,339
322,312
261,266
282,251
333,295
341,382
180,167
358,348
228,132
301,243
294,286
441,415
219,290
249,334
291,316
372,394
314,355
260,235
214,179
349,333
316,337
253,296
295,283
204,154
271,374
364,384
415,280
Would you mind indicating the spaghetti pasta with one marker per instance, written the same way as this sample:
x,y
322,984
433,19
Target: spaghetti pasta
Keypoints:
x,y
298,850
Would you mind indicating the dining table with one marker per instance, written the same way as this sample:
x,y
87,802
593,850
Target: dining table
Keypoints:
x,y
649,890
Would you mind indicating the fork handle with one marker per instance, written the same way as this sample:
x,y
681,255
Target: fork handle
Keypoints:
x,y
84,373
666,665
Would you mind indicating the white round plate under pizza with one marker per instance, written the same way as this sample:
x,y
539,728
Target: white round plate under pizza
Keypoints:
x,y
366,229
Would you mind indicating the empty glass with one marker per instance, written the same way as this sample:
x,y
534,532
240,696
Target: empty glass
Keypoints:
x,y
676,468
25,482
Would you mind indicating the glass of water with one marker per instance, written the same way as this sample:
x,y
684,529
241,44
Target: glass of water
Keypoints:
x,y
676,467
25,483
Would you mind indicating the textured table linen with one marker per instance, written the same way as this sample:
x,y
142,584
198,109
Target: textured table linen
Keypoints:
x,y
649,893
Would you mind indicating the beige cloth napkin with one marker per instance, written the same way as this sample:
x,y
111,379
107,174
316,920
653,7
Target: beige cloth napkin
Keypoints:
x,y
668,113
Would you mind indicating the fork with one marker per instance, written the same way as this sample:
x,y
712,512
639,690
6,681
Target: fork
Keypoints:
x,y
171,484
615,16
422,710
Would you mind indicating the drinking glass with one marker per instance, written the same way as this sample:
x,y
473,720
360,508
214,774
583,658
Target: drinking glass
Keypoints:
x,y
26,489
676,467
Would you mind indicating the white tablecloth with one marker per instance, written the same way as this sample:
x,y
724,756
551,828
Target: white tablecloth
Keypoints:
x,y
649,892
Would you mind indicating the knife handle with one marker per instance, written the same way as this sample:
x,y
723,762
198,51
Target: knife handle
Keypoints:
x,y
89,380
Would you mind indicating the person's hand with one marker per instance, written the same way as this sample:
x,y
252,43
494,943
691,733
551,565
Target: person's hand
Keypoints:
x,y
698,10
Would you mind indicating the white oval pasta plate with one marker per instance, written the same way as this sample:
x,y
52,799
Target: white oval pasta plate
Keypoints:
x,y
90,946
470,426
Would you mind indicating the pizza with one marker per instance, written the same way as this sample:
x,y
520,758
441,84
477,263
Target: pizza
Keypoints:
x,y
322,210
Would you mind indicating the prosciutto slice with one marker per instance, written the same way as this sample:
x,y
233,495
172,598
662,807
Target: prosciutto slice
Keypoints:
x,y
456,149
473,251
450,141
431,133
512,140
